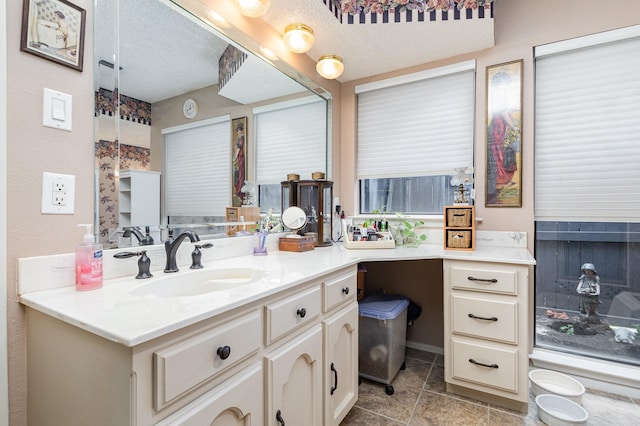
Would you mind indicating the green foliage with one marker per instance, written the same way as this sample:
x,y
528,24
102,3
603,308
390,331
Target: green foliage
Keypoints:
x,y
405,232
567,329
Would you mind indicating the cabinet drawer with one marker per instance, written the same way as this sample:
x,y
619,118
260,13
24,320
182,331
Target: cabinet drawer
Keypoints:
x,y
490,319
486,278
488,365
338,289
234,400
292,312
192,361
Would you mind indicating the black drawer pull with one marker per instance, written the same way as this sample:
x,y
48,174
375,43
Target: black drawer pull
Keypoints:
x,y
483,318
345,290
483,280
224,352
473,361
335,375
279,417
302,312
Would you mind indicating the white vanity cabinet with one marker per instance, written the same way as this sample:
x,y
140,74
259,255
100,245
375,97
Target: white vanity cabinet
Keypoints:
x,y
340,347
295,382
238,401
486,330
254,365
340,364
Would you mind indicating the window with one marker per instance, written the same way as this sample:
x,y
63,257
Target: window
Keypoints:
x,y
413,131
291,137
587,195
197,169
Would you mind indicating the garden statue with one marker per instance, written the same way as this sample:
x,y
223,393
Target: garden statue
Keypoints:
x,y
589,290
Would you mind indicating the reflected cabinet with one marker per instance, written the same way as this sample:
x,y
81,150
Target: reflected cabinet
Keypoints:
x,y
315,198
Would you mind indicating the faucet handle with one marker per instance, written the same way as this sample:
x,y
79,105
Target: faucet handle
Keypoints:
x,y
196,255
144,263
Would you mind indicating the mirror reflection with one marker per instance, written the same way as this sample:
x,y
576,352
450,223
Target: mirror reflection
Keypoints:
x,y
192,130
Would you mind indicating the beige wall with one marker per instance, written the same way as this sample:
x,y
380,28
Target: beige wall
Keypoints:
x,y
33,149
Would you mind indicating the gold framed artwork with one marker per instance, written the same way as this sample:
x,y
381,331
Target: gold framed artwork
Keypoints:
x,y
54,30
504,135
238,159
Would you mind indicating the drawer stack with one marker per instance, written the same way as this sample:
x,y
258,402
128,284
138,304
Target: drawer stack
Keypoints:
x,y
486,328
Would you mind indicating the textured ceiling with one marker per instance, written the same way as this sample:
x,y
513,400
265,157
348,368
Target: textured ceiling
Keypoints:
x,y
164,54
369,49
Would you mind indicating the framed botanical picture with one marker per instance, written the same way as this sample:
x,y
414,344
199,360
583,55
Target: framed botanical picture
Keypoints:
x,y
238,159
504,135
54,30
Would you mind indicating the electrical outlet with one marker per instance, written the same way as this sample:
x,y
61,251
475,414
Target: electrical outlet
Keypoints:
x,y
59,199
58,193
59,186
59,196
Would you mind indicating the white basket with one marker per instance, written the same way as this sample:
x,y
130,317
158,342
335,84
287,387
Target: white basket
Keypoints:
x,y
387,241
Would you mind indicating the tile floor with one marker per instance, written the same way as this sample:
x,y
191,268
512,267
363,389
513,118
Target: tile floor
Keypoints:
x,y
420,399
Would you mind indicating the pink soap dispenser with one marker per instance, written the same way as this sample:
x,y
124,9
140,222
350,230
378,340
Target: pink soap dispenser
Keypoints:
x,y
88,262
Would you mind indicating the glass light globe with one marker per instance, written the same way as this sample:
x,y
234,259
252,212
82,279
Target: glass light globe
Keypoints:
x,y
461,177
330,66
298,38
460,180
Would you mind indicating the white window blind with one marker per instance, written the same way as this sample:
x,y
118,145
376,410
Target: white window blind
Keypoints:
x,y
291,137
587,122
417,128
197,170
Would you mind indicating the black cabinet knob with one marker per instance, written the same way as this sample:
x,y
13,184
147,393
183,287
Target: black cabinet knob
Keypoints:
x,y
345,290
224,352
302,312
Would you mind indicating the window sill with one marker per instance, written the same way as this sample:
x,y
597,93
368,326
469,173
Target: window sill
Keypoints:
x,y
429,220
592,373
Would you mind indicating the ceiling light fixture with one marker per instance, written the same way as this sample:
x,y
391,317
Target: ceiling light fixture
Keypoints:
x,y
330,66
298,38
253,8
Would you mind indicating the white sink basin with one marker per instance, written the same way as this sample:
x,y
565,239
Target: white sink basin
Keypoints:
x,y
200,282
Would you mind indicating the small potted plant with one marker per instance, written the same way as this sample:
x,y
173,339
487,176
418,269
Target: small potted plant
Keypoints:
x,y
405,233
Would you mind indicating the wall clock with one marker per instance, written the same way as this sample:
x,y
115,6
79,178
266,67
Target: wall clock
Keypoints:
x,y
190,108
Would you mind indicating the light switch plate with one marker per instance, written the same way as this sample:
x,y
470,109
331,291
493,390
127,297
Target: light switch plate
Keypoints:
x,y
56,110
58,193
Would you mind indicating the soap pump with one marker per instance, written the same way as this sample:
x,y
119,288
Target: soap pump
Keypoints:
x,y
88,262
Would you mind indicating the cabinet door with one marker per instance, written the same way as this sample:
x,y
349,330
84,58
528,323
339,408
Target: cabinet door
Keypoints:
x,y
238,401
295,381
340,364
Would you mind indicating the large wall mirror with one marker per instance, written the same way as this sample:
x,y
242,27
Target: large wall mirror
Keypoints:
x,y
189,126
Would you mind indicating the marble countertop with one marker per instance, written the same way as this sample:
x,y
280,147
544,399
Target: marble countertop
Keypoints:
x,y
116,313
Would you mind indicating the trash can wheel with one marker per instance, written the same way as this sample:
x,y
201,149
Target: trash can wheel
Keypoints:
x,y
403,366
388,389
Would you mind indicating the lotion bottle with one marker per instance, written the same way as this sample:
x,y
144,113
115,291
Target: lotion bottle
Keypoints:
x,y
88,262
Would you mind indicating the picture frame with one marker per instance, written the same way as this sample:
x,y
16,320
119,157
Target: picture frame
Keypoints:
x,y
54,30
504,135
238,160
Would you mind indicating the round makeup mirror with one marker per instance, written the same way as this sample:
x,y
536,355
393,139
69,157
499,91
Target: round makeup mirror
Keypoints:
x,y
294,218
